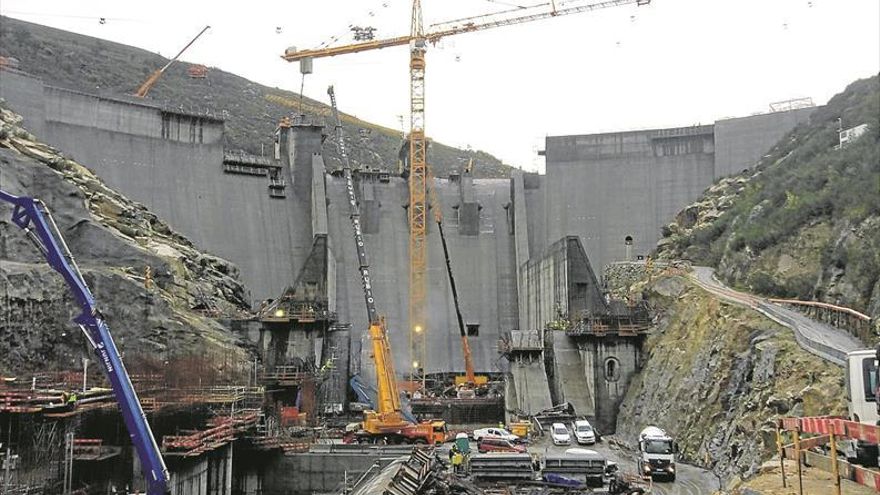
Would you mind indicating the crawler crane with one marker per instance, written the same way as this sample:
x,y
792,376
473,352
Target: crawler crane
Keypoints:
x,y
386,423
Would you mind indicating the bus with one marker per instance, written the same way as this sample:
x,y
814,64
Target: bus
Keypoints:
x,y
861,400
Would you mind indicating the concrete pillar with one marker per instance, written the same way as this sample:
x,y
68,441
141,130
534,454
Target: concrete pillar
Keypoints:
x,y
521,240
305,140
227,464
318,197
189,476
468,207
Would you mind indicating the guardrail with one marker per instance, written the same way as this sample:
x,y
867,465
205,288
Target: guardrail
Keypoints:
x,y
828,430
857,324
826,352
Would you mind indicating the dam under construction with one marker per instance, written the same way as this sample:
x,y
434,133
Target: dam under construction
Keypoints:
x,y
519,248
302,302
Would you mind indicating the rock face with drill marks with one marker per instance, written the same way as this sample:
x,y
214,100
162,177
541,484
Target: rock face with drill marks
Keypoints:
x,y
114,240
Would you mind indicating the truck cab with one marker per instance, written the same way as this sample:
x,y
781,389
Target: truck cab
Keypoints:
x,y
657,454
861,400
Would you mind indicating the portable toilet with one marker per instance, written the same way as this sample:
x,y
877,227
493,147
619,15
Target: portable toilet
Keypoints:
x,y
462,442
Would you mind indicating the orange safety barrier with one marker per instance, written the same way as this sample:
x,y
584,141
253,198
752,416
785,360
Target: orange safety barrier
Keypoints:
x,y
825,426
841,427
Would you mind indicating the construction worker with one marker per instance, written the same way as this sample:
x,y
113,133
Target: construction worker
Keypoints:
x,y
457,460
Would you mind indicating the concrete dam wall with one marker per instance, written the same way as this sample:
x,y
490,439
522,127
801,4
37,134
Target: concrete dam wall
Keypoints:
x,y
481,248
606,188
173,163
521,248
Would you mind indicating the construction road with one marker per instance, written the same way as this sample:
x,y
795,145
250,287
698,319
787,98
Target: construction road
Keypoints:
x,y
820,339
690,480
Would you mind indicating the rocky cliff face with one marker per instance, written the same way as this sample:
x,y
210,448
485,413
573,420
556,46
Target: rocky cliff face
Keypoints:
x,y
717,375
114,240
805,223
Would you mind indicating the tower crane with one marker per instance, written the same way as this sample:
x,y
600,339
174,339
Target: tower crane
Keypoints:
x,y
387,422
154,77
417,40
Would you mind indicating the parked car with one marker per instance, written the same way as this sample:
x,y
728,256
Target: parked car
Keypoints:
x,y
496,433
498,444
560,434
583,432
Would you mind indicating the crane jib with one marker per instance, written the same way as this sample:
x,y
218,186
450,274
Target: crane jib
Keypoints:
x,y
355,216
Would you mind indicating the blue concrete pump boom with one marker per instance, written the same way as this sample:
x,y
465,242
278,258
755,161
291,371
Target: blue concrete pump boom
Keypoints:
x,y
32,216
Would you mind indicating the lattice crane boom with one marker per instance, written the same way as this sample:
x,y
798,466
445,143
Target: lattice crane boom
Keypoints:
x,y
465,25
154,77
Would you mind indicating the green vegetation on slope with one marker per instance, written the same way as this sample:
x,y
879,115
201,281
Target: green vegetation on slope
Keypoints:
x,y
805,223
251,110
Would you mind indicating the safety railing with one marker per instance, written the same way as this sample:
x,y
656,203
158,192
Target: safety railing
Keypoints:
x,y
857,324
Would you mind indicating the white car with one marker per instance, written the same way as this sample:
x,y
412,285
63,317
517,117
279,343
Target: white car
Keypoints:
x,y
583,432
495,433
560,434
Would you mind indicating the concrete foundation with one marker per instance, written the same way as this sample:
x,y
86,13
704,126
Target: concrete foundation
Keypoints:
x,y
571,381
610,363
300,474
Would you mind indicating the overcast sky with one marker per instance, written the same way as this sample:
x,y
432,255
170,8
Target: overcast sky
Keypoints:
x,y
672,63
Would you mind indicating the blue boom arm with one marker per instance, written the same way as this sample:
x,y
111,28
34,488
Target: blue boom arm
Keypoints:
x,y
32,216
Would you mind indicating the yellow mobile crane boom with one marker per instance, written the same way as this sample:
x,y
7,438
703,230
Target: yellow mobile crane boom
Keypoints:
x,y
417,40
154,77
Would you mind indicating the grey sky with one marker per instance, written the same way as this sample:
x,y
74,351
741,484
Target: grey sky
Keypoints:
x,y
674,62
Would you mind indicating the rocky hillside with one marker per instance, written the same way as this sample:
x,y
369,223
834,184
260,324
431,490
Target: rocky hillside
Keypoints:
x,y
717,375
113,240
251,110
805,223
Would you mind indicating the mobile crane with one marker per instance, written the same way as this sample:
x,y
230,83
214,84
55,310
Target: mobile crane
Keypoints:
x,y
32,216
387,422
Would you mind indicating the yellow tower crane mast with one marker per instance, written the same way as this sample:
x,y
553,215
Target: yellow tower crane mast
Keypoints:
x,y
418,39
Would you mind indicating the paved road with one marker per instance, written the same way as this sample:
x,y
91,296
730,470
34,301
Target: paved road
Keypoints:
x,y
815,337
690,480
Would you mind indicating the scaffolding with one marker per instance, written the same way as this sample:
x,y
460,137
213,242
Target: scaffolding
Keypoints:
x,y
625,320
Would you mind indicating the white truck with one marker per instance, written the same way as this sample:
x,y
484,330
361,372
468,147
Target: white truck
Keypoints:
x,y
657,454
861,393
